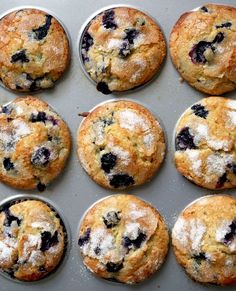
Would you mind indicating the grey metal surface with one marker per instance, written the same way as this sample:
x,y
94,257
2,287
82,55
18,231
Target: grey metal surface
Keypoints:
x,y
73,191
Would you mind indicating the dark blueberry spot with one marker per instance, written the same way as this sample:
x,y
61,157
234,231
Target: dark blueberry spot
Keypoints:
x,y
112,280
113,267
53,120
84,239
184,140
48,241
230,235
127,45
221,181
42,31
108,162
20,56
97,250
41,187
131,34
50,138
39,117
42,269
200,257
136,243
8,165
103,87
18,87
9,119
125,49
108,19
197,52
233,167
40,157
107,121
10,272
121,180
111,219
204,9
226,25
87,42
200,110
7,109
218,38
9,217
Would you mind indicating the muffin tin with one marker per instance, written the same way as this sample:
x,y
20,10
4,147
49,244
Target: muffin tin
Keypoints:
x,y
73,191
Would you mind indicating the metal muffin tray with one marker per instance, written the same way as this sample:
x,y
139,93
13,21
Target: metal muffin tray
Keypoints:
x,y
73,192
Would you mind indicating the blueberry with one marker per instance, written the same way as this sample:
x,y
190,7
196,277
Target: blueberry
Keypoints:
x,y
221,181
199,258
136,243
121,180
10,272
218,38
184,140
108,162
8,165
108,19
7,109
9,217
20,56
131,34
127,45
84,239
48,240
41,157
230,235
41,187
42,269
204,9
39,117
111,219
103,87
97,251
108,121
113,267
42,31
197,52
200,110
87,42
125,49
226,25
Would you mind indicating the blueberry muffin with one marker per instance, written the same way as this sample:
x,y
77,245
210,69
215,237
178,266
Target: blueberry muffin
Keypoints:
x,y
34,143
32,240
123,238
120,144
203,48
204,239
122,48
34,50
205,143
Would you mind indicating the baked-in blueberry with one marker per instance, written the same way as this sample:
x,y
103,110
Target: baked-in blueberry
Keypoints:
x,y
114,267
221,181
131,34
97,250
41,187
84,239
218,38
10,272
232,167
48,240
108,162
20,56
127,45
184,140
41,157
108,121
8,165
87,42
226,25
136,243
39,117
9,217
103,87
42,31
199,257
197,52
121,180
108,19
42,269
200,110
125,49
230,235
111,219
7,109
204,9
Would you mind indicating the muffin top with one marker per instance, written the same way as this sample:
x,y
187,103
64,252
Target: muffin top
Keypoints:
x,y
124,239
34,50
32,240
203,48
122,48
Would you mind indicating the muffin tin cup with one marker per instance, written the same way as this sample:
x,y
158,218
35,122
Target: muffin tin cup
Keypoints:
x,y
67,35
84,29
24,197
110,281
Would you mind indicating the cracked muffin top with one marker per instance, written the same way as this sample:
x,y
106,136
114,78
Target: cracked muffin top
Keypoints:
x,y
205,143
204,239
34,50
203,48
34,143
122,48
32,240
120,144
124,239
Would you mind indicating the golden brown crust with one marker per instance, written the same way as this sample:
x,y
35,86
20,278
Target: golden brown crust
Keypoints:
x,y
120,138
32,60
202,241
34,143
137,240
215,73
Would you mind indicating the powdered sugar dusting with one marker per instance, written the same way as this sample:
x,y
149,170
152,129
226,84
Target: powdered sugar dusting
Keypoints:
x,y
232,103
21,128
216,163
114,43
232,117
132,230
131,121
148,140
222,231
43,225
5,252
136,213
122,154
196,163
